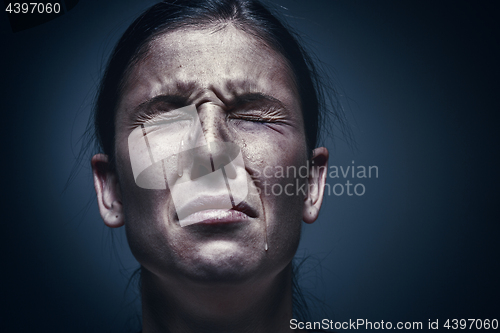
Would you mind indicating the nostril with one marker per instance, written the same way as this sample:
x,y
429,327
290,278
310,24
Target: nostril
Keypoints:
x,y
199,171
230,170
212,157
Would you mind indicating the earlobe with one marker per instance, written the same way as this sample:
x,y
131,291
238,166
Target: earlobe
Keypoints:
x,y
316,185
114,216
107,191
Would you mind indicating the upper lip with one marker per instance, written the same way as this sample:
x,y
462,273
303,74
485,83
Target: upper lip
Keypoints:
x,y
210,202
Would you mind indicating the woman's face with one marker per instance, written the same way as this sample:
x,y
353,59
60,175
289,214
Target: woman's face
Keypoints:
x,y
245,95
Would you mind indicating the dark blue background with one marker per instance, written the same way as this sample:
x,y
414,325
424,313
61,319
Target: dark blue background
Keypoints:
x,y
420,85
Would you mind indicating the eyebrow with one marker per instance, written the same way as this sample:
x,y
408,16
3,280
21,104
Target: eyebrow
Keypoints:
x,y
175,99
249,98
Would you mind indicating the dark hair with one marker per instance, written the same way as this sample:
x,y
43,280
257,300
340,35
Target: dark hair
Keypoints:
x,y
250,16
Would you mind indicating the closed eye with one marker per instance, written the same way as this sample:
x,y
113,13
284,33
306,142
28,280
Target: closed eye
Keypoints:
x,y
261,114
156,106
252,118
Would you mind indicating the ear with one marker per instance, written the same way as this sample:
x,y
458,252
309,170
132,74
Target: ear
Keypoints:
x,y
108,191
316,187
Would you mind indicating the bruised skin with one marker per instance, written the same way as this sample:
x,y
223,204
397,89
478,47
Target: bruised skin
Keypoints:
x,y
216,71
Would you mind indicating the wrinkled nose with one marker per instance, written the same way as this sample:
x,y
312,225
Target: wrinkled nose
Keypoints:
x,y
212,151
213,122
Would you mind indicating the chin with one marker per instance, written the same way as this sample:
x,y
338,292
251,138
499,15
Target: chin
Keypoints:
x,y
225,262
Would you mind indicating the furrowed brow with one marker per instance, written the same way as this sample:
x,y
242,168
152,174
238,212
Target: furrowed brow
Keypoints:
x,y
177,93
256,98
174,99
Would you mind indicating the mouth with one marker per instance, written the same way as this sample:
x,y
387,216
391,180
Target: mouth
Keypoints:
x,y
214,210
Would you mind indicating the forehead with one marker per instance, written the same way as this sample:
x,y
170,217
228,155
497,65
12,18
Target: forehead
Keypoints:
x,y
226,61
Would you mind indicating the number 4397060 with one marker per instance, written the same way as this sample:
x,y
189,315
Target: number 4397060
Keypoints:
x,y
479,324
33,7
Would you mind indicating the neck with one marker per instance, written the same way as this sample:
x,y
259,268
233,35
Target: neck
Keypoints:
x,y
186,306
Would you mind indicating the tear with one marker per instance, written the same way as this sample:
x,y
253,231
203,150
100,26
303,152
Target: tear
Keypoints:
x,y
266,247
179,159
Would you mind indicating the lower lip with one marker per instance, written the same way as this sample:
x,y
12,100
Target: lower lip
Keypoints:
x,y
214,216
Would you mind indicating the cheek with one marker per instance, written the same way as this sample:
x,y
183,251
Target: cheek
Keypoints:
x,y
141,207
280,170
